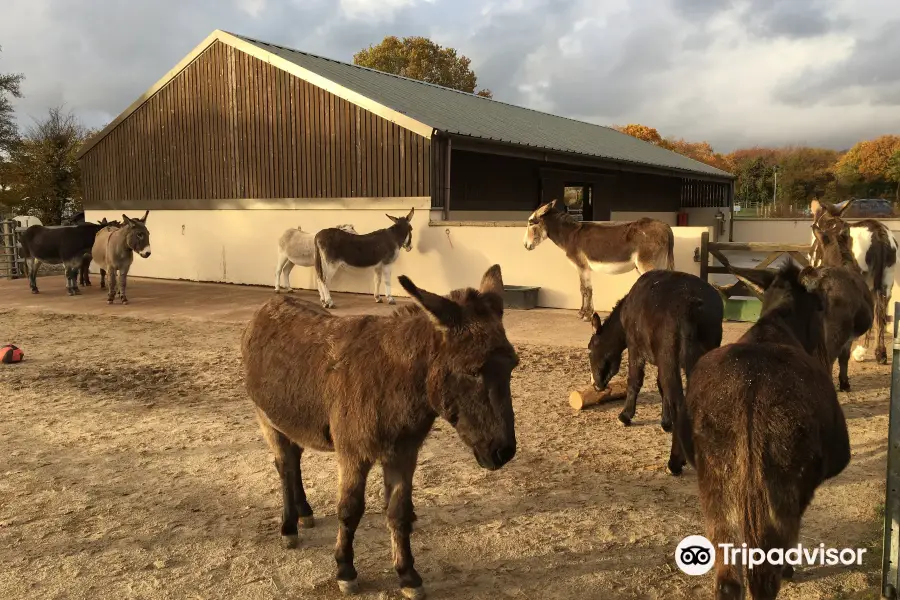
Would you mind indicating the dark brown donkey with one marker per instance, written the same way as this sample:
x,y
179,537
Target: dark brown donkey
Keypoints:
x,y
762,425
314,381
336,247
669,319
874,249
613,248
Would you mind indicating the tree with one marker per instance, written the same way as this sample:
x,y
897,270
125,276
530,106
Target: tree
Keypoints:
x,y
9,87
44,175
420,58
641,132
867,168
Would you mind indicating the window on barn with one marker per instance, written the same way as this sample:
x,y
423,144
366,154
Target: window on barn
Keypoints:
x,y
577,197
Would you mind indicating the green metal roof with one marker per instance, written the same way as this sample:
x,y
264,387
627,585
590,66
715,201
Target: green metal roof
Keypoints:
x,y
460,113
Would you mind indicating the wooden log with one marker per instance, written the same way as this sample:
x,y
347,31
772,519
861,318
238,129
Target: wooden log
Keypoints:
x,y
581,399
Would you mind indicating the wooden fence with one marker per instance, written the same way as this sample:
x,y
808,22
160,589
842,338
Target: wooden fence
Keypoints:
x,y
735,309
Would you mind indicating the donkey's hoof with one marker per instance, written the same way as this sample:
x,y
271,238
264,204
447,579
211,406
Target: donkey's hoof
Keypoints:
x,y
124,300
624,419
34,291
110,301
348,587
844,386
378,299
787,572
277,291
674,469
71,293
290,542
307,522
416,593
289,290
881,357
666,426
392,301
76,291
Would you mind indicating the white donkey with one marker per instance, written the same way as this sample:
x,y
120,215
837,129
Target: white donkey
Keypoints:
x,y
297,247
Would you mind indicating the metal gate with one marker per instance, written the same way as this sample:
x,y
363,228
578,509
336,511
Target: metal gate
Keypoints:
x,y
891,545
12,265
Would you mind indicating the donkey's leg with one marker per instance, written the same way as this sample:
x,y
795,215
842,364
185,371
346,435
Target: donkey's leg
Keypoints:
x,y
352,473
676,454
279,267
328,271
843,360
71,278
398,477
377,281
286,273
305,511
123,282
86,271
386,271
881,300
672,392
32,265
587,293
287,463
102,279
633,388
112,285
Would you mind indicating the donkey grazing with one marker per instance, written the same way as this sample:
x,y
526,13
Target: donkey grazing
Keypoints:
x,y
70,246
297,247
380,249
613,248
114,251
874,249
763,428
669,319
310,376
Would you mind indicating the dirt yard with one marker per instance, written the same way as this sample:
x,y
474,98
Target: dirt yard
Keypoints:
x,y
134,469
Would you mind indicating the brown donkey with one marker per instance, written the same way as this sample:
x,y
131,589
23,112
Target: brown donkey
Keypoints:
x,y
762,426
613,248
311,377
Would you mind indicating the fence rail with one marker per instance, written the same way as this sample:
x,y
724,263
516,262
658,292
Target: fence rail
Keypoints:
x,y
797,252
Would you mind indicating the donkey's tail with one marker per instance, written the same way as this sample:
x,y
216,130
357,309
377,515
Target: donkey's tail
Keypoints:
x,y
670,251
318,254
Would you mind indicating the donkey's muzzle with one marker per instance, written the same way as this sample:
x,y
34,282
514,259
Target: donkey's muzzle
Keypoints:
x,y
145,254
497,458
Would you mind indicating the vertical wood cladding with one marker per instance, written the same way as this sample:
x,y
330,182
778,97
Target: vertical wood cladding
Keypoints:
x,y
231,126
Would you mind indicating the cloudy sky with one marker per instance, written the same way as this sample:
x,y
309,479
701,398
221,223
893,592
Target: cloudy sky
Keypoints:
x,y
771,72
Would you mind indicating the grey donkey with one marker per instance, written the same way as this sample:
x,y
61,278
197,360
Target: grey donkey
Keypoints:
x,y
114,249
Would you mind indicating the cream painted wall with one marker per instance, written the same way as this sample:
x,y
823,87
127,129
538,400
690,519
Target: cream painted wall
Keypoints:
x,y
240,246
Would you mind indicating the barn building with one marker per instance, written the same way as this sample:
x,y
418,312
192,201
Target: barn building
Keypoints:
x,y
243,139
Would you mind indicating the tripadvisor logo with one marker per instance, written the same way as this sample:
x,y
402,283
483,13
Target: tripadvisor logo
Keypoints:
x,y
696,555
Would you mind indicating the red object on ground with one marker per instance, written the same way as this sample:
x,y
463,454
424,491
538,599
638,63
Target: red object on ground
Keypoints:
x,y
10,354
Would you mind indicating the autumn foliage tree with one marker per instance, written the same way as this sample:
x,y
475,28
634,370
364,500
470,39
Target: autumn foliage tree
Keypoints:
x,y
420,58
871,167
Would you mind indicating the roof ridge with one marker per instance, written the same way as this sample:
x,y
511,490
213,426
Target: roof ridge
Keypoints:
x,y
420,82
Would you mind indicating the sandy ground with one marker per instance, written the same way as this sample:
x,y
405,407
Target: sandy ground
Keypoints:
x,y
134,469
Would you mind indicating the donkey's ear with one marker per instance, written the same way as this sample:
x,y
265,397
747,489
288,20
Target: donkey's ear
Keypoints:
x,y
445,313
758,280
842,207
144,218
596,323
394,219
815,207
492,289
126,220
410,215
492,281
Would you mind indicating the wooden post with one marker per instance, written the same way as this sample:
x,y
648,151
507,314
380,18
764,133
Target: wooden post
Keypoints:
x,y
704,256
447,181
890,577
